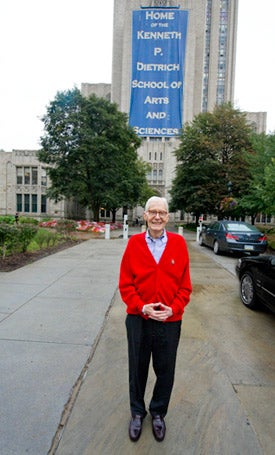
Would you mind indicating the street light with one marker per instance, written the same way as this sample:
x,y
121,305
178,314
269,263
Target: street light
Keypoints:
x,y
229,188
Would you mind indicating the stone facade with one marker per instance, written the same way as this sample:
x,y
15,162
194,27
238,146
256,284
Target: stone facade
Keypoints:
x,y
209,70
209,79
209,73
23,186
100,90
257,120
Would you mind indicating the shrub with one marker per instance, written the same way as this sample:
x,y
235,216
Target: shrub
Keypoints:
x,y
41,237
45,237
66,227
27,220
8,219
25,233
8,238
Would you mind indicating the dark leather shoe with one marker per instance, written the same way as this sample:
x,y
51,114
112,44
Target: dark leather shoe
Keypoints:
x,y
135,427
159,428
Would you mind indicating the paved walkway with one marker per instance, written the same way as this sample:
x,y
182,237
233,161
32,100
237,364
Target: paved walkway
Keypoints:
x,y
63,365
51,316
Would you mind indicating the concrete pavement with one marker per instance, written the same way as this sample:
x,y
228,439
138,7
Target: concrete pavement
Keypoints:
x,y
51,316
64,375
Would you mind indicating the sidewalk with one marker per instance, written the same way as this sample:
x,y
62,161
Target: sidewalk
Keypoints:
x,y
51,316
205,414
64,371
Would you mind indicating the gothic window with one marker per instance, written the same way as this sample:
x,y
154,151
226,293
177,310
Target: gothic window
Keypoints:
x,y
26,203
43,204
34,175
161,3
27,175
19,202
34,203
43,177
19,175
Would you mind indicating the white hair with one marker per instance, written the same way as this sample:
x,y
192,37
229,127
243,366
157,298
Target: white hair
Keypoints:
x,y
153,199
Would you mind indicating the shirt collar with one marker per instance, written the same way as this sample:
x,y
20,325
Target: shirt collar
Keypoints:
x,y
163,236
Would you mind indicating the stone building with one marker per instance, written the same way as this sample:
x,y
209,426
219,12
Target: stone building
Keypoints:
x,y
23,186
257,120
208,73
209,68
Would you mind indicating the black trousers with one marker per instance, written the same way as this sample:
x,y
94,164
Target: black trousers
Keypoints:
x,y
159,340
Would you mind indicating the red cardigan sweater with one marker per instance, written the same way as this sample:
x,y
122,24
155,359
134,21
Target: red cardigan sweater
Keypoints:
x,y
143,281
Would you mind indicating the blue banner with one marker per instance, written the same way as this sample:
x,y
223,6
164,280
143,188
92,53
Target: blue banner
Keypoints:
x,y
157,85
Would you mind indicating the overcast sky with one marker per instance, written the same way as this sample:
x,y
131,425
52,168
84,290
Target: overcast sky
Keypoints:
x,y
54,45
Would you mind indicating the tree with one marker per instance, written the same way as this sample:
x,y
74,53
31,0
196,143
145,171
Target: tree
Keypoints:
x,y
269,193
261,196
130,189
92,152
210,155
268,189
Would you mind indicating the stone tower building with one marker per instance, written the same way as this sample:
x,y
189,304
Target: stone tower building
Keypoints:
x,y
145,36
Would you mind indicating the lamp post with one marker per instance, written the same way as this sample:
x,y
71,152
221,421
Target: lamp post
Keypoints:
x,y
229,188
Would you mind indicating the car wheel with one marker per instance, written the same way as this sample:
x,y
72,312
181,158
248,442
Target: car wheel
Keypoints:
x,y
216,247
247,291
201,241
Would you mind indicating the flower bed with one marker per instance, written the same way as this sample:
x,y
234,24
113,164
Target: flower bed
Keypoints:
x,y
48,224
84,226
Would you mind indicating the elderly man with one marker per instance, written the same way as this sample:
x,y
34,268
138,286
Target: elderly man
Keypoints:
x,y
155,285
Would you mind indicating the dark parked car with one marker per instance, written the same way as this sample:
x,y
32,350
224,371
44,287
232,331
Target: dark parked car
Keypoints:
x,y
257,281
233,236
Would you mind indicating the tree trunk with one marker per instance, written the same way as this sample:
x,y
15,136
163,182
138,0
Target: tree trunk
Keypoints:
x,y
113,215
96,208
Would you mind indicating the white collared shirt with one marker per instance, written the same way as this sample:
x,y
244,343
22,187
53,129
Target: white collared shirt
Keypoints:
x,y
156,246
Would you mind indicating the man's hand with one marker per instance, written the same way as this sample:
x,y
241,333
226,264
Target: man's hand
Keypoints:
x,y
158,311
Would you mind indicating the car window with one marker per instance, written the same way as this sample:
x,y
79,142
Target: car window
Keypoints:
x,y
240,227
273,261
210,226
216,226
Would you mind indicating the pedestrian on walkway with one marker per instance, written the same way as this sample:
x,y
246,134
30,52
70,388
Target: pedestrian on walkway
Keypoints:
x,y
155,285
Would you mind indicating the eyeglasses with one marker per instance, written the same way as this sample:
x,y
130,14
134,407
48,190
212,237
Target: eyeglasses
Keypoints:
x,y
161,213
